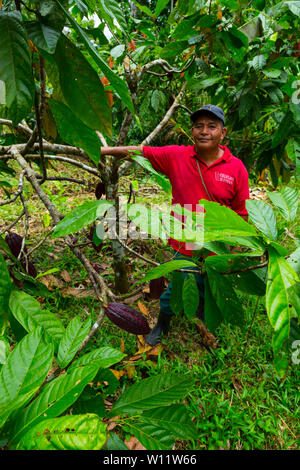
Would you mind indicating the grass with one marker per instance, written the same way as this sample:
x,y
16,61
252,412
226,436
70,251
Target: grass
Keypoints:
x,y
237,402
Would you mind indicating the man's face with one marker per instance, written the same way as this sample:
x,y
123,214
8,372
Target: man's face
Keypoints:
x,y
207,132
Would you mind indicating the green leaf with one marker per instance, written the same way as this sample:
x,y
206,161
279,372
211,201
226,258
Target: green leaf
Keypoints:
x,y
80,217
251,282
282,130
222,223
263,217
152,437
174,419
5,285
114,13
226,299
82,88
176,303
190,296
286,201
74,334
30,315
117,51
152,392
281,276
15,66
258,62
294,260
116,82
160,6
104,357
24,371
79,432
158,100
4,350
54,399
74,131
167,268
173,49
144,9
42,36
212,314
114,442
159,178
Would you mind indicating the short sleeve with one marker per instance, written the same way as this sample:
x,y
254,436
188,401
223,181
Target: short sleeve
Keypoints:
x,y
159,157
242,191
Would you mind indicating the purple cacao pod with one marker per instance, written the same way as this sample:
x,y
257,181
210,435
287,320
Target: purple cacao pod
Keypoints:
x,y
128,319
157,287
14,242
100,190
91,235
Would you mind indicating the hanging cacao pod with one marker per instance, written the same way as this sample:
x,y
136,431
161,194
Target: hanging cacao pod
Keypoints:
x,y
14,242
157,287
100,190
128,319
90,237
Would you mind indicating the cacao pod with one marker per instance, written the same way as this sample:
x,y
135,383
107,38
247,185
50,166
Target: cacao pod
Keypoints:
x,y
157,286
14,242
128,319
90,236
100,190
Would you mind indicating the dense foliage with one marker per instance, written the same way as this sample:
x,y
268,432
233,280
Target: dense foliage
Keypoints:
x,y
78,75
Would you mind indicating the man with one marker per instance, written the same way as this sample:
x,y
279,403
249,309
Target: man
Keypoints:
x,y
205,170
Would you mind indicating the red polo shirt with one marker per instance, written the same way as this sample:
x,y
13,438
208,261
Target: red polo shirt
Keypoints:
x,y
226,179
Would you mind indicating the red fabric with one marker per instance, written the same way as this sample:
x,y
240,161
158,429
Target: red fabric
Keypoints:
x,y
226,179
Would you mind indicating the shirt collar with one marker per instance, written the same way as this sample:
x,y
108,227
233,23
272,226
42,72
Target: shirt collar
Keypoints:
x,y
226,156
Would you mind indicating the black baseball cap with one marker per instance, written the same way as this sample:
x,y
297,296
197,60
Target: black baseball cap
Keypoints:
x,y
209,108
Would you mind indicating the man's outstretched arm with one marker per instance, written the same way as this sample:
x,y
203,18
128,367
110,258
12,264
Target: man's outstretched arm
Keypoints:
x,y
122,152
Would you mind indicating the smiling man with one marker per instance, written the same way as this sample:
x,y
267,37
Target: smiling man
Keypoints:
x,y
205,170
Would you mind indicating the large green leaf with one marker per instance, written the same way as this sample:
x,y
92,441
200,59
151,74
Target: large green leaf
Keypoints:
x,y
174,419
80,217
159,178
112,12
74,131
286,200
222,223
166,268
5,286
190,296
281,277
30,315
54,399
24,371
212,314
152,437
263,217
152,392
42,36
15,65
176,303
294,260
82,88
74,334
104,357
79,432
226,299
116,82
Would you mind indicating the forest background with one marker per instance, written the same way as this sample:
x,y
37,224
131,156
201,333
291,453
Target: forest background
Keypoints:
x,y
78,75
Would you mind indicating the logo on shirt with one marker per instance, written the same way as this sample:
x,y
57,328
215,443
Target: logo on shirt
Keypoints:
x,y
224,178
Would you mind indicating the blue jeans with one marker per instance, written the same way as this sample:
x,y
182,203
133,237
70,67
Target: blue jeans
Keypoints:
x,y
165,297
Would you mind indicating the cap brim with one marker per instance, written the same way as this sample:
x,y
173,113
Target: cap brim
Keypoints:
x,y
198,113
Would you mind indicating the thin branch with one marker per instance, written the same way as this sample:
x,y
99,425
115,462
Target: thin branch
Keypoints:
x,y
9,227
17,193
